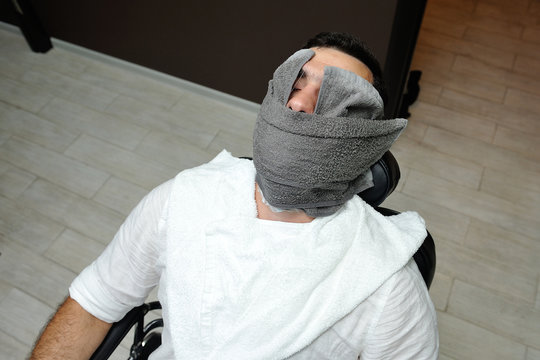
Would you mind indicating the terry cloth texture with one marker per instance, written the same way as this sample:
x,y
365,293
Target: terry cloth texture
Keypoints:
x,y
318,161
267,289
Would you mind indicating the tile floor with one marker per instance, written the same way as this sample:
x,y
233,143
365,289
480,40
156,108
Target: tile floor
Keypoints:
x,y
81,141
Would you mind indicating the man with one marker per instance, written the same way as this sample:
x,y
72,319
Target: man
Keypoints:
x,y
275,258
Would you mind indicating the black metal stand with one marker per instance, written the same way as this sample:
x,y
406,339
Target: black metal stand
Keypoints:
x,y
35,34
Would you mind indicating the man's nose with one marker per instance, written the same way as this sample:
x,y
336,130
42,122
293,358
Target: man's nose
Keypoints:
x,y
304,100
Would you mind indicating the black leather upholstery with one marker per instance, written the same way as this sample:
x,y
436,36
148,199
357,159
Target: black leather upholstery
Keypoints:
x,y
386,176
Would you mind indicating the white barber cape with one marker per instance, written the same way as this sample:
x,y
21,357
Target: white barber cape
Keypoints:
x,y
267,289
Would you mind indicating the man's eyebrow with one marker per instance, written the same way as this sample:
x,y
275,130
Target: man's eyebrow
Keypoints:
x,y
301,74
307,73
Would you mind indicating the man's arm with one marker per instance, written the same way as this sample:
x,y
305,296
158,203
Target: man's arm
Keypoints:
x,y
73,333
118,280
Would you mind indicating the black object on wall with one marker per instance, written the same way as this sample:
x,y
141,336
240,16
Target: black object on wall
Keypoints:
x,y
22,13
405,30
230,46
410,94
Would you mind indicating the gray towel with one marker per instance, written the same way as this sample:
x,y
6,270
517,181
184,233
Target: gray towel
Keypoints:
x,y
316,162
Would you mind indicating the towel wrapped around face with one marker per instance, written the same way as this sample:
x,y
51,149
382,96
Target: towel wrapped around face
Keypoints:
x,y
316,162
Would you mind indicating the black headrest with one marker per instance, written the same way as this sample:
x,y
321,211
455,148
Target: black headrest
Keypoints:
x,y
385,179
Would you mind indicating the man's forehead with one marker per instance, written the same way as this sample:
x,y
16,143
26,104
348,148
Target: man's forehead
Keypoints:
x,y
332,57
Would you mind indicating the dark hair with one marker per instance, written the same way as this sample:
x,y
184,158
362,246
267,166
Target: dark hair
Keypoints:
x,y
354,47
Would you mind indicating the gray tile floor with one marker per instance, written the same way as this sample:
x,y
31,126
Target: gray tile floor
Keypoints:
x,y
81,141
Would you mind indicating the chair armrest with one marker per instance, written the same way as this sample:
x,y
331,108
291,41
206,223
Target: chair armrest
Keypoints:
x,y
119,330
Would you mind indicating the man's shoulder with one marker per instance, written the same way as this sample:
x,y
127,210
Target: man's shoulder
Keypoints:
x,y
209,187
223,163
406,288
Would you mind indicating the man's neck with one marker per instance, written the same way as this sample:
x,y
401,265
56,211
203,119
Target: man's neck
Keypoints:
x,y
265,213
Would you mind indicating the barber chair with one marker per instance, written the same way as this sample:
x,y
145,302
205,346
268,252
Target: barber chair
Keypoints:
x,y
147,337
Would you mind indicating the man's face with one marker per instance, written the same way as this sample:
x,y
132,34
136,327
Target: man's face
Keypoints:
x,y
305,91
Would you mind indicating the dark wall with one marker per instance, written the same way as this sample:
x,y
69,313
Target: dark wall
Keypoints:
x,y
230,46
